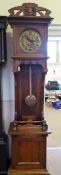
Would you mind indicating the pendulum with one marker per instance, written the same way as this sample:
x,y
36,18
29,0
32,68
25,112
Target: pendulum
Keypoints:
x,y
30,99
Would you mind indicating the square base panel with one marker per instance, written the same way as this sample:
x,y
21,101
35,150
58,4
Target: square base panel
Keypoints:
x,y
29,172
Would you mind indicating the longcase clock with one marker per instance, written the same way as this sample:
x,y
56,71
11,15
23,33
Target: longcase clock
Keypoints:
x,y
29,129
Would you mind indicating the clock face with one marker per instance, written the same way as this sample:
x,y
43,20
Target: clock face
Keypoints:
x,y
30,40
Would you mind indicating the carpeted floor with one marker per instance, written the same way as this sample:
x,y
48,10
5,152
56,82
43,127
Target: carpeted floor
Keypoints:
x,y
54,161
53,118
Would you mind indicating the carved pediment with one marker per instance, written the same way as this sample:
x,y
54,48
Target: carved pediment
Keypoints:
x,y
29,9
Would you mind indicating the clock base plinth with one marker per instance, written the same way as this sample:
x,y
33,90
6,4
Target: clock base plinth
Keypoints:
x,y
28,172
28,150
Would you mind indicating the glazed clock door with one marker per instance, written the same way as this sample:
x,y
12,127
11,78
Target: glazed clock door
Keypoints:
x,y
29,100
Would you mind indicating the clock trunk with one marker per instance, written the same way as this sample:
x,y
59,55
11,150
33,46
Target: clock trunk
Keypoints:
x,y
22,90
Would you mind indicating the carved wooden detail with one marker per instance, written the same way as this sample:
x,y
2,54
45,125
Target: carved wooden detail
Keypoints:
x,y
18,62
29,9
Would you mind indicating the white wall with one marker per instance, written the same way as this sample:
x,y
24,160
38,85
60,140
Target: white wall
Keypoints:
x,y
8,86
54,31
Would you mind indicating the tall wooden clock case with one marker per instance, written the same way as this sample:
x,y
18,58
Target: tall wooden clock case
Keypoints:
x,y
29,130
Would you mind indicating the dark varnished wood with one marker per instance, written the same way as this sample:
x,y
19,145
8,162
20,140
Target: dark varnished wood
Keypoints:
x,y
3,48
29,142
0,102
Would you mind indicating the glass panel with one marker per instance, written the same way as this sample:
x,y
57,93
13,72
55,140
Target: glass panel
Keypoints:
x,y
59,51
51,51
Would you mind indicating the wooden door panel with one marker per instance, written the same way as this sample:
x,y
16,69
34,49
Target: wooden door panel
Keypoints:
x,y
28,153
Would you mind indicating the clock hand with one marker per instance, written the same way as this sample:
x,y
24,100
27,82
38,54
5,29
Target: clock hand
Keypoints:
x,y
32,40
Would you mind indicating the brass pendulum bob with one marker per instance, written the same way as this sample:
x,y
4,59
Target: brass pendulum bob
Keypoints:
x,y
30,99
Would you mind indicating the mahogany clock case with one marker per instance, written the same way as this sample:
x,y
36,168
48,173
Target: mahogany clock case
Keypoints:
x,y
29,129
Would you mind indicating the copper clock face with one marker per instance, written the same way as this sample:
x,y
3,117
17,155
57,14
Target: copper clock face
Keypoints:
x,y
30,40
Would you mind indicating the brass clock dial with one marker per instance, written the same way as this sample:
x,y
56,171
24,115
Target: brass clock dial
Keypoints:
x,y
30,40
